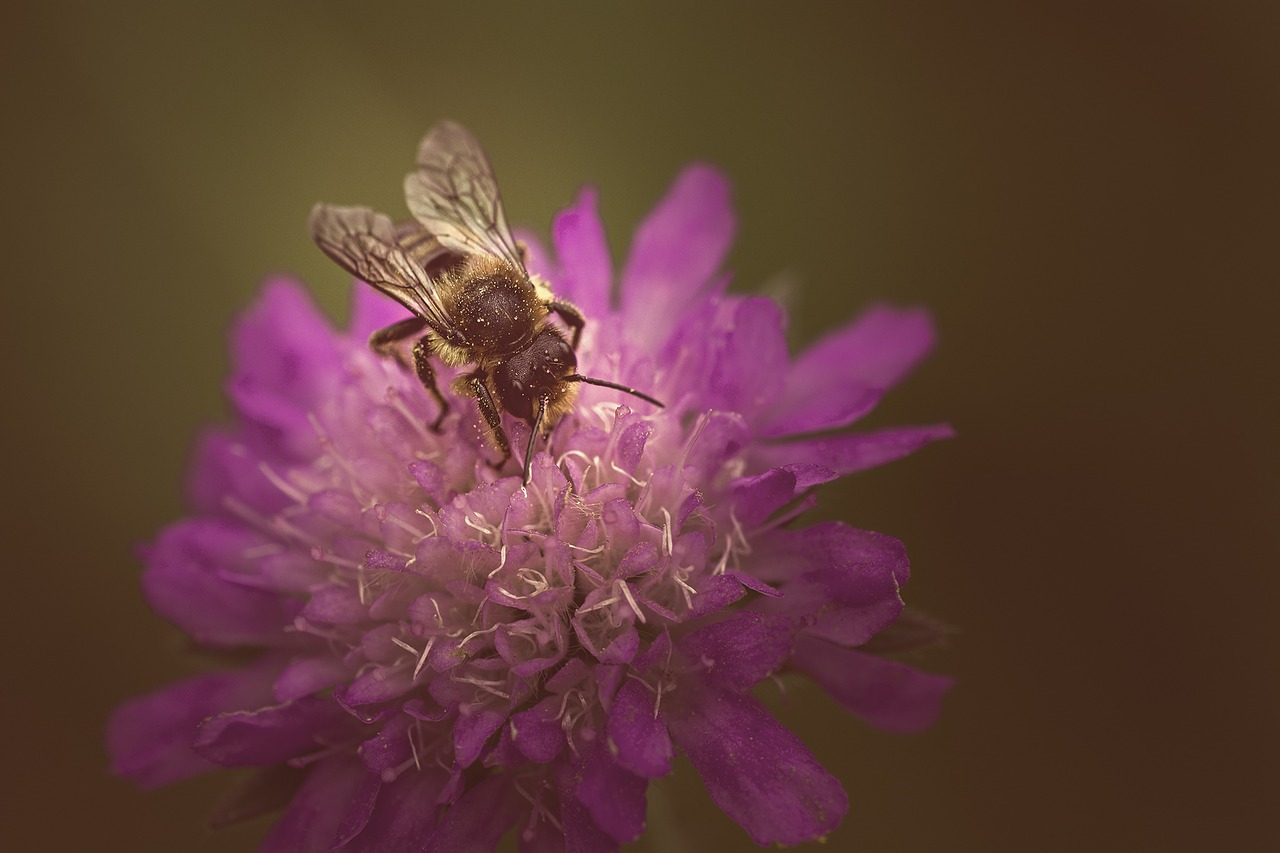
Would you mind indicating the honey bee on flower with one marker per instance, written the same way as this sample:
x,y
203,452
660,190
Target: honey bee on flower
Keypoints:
x,y
434,652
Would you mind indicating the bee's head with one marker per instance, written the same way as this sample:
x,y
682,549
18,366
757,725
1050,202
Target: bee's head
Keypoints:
x,y
536,371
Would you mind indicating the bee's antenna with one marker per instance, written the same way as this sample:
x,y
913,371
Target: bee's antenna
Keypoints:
x,y
605,383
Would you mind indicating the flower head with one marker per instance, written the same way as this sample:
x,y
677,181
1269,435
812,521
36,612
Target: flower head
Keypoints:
x,y
443,654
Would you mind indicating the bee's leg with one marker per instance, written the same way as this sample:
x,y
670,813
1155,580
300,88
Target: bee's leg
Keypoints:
x,y
533,437
491,417
384,341
427,376
571,315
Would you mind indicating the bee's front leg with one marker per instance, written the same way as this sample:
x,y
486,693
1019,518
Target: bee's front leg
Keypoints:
x,y
534,429
572,317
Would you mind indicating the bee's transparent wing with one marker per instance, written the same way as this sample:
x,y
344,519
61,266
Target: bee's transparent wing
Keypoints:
x,y
364,243
455,197
422,247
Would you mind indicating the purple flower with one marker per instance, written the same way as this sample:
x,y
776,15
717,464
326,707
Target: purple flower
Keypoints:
x,y
441,655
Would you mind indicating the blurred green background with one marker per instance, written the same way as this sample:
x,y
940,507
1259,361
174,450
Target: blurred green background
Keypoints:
x,y
1085,194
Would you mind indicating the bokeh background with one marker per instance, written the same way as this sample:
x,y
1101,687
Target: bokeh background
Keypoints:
x,y
1084,193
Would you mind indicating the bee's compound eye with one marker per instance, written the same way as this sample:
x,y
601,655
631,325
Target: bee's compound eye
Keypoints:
x,y
560,357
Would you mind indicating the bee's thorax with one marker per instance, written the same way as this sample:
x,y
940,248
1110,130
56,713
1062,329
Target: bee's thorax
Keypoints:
x,y
494,306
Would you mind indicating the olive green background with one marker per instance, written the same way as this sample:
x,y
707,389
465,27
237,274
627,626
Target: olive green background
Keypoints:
x,y
1085,194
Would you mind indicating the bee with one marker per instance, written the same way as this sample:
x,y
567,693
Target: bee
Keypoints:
x,y
462,275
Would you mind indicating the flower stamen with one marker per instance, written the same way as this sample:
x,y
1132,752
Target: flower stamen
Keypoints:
x,y
395,400
487,686
288,489
363,494
435,531
475,634
482,527
626,592
383,514
640,483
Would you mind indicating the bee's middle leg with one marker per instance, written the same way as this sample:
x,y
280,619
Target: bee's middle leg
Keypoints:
x,y
492,417
427,376
384,341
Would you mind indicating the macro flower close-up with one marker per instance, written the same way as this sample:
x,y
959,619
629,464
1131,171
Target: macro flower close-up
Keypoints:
x,y
423,652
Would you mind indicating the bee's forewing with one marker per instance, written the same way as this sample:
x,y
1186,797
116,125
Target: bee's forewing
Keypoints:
x,y
454,195
364,243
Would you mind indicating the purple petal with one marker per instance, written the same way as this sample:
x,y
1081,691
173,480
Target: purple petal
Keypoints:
x,y
831,408
883,345
359,809
843,376
479,819
267,790
658,651
723,435
741,650
783,555
717,592
754,584
910,631
374,687
270,735
306,675
638,738
390,751
608,678
574,671
404,814
843,582
286,361
223,468
537,732
581,833
586,267
760,496
755,769
756,498
472,729
187,582
609,641
149,737
319,808
746,371
335,605
845,454
371,311
540,835
614,797
885,693
676,251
